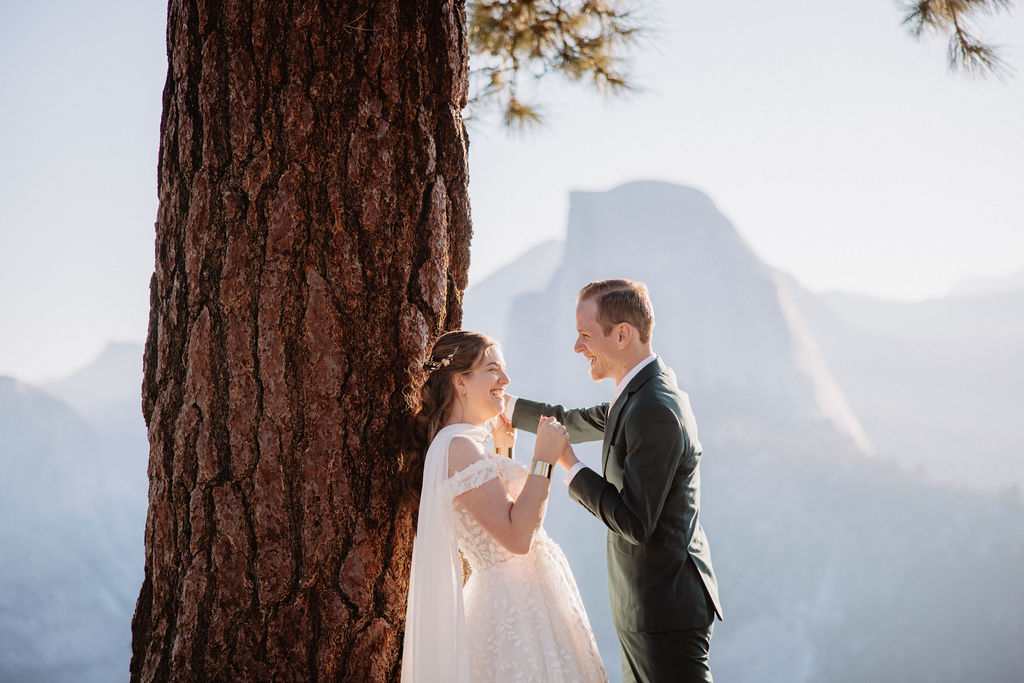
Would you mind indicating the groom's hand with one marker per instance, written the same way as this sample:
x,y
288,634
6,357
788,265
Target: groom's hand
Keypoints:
x,y
568,457
552,438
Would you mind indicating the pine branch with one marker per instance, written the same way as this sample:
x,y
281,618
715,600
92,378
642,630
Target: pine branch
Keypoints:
x,y
966,53
575,39
969,55
520,116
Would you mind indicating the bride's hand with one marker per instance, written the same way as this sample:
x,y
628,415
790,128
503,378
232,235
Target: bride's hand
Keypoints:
x,y
552,438
503,433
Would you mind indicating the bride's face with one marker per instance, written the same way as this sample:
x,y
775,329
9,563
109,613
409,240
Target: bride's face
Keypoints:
x,y
483,387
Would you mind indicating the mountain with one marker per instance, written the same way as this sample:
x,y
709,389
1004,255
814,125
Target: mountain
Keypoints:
x,y
1014,282
490,299
112,378
723,322
837,560
72,555
834,564
107,393
936,384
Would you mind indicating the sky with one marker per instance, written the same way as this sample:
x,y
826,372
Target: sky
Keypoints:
x,y
842,149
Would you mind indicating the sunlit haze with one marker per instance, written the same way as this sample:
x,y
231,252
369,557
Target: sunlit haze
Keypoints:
x,y
843,151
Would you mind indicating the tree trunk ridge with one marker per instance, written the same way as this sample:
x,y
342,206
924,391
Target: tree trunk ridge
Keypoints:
x,y
312,237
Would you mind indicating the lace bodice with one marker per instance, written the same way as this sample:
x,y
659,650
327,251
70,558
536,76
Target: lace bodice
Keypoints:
x,y
524,616
480,548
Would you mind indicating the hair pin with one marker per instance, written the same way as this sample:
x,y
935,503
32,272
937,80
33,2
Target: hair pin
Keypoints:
x,y
432,365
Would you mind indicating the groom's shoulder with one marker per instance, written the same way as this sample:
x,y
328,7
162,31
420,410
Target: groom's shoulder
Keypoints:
x,y
664,380
655,393
662,389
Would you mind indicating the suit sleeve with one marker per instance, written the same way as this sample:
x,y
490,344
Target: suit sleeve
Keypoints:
x,y
654,446
583,424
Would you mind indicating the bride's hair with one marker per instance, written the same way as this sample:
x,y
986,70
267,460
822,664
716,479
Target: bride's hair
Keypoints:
x,y
453,353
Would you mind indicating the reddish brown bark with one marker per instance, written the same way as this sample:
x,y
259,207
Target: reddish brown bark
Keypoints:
x,y
312,236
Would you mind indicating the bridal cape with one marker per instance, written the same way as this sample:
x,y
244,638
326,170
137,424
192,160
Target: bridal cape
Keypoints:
x,y
519,617
435,619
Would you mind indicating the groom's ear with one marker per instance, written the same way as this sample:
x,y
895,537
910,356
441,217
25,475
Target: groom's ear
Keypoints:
x,y
624,334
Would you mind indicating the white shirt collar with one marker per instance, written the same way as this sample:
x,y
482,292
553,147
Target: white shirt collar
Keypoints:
x,y
630,375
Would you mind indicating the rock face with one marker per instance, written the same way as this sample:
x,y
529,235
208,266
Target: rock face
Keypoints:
x,y
935,383
491,299
723,323
833,565
71,555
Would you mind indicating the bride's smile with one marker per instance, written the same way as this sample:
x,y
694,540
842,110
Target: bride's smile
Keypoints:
x,y
481,390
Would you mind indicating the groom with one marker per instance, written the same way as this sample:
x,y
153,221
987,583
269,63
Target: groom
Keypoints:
x,y
664,595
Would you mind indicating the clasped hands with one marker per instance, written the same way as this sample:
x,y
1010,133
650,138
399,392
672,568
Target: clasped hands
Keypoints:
x,y
552,444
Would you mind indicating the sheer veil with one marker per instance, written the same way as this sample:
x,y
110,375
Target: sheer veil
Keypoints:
x,y
435,622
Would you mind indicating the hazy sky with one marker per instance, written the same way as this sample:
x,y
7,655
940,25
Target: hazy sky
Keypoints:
x,y
843,151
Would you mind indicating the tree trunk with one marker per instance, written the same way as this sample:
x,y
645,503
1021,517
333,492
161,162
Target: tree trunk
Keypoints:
x,y
312,237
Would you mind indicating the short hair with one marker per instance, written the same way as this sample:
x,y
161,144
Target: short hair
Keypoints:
x,y
621,301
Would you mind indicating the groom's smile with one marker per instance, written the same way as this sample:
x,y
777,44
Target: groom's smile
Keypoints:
x,y
592,343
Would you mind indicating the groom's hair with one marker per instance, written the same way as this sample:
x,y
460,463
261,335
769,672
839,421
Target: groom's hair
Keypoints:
x,y
621,301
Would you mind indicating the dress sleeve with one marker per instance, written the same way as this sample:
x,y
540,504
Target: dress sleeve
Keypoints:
x,y
472,475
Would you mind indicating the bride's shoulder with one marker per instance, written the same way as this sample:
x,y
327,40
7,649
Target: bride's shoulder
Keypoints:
x,y
464,443
463,451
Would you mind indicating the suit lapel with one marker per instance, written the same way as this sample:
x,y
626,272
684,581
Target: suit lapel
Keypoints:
x,y
653,368
609,430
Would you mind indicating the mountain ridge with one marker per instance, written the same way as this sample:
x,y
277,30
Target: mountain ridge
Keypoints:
x,y
824,549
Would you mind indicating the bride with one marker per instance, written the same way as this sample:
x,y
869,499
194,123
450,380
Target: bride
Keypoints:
x,y
519,616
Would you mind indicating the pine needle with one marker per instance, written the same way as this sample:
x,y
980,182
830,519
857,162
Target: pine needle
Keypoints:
x,y
578,40
966,53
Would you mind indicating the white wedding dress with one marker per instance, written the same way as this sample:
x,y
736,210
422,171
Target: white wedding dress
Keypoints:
x,y
518,617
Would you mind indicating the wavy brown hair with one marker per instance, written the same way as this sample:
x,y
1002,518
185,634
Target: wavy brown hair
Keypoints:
x,y
453,353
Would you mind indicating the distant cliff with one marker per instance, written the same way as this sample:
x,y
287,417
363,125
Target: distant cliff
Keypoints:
x,y
71,558
834,564
723,322
936,384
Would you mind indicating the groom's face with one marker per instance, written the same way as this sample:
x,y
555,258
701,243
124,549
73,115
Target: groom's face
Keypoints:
x,y
597,347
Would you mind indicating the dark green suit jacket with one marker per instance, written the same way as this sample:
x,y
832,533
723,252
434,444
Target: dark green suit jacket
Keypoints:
x,y
659,563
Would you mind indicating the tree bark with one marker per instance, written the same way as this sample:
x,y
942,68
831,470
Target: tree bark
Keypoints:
x,y
312,237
